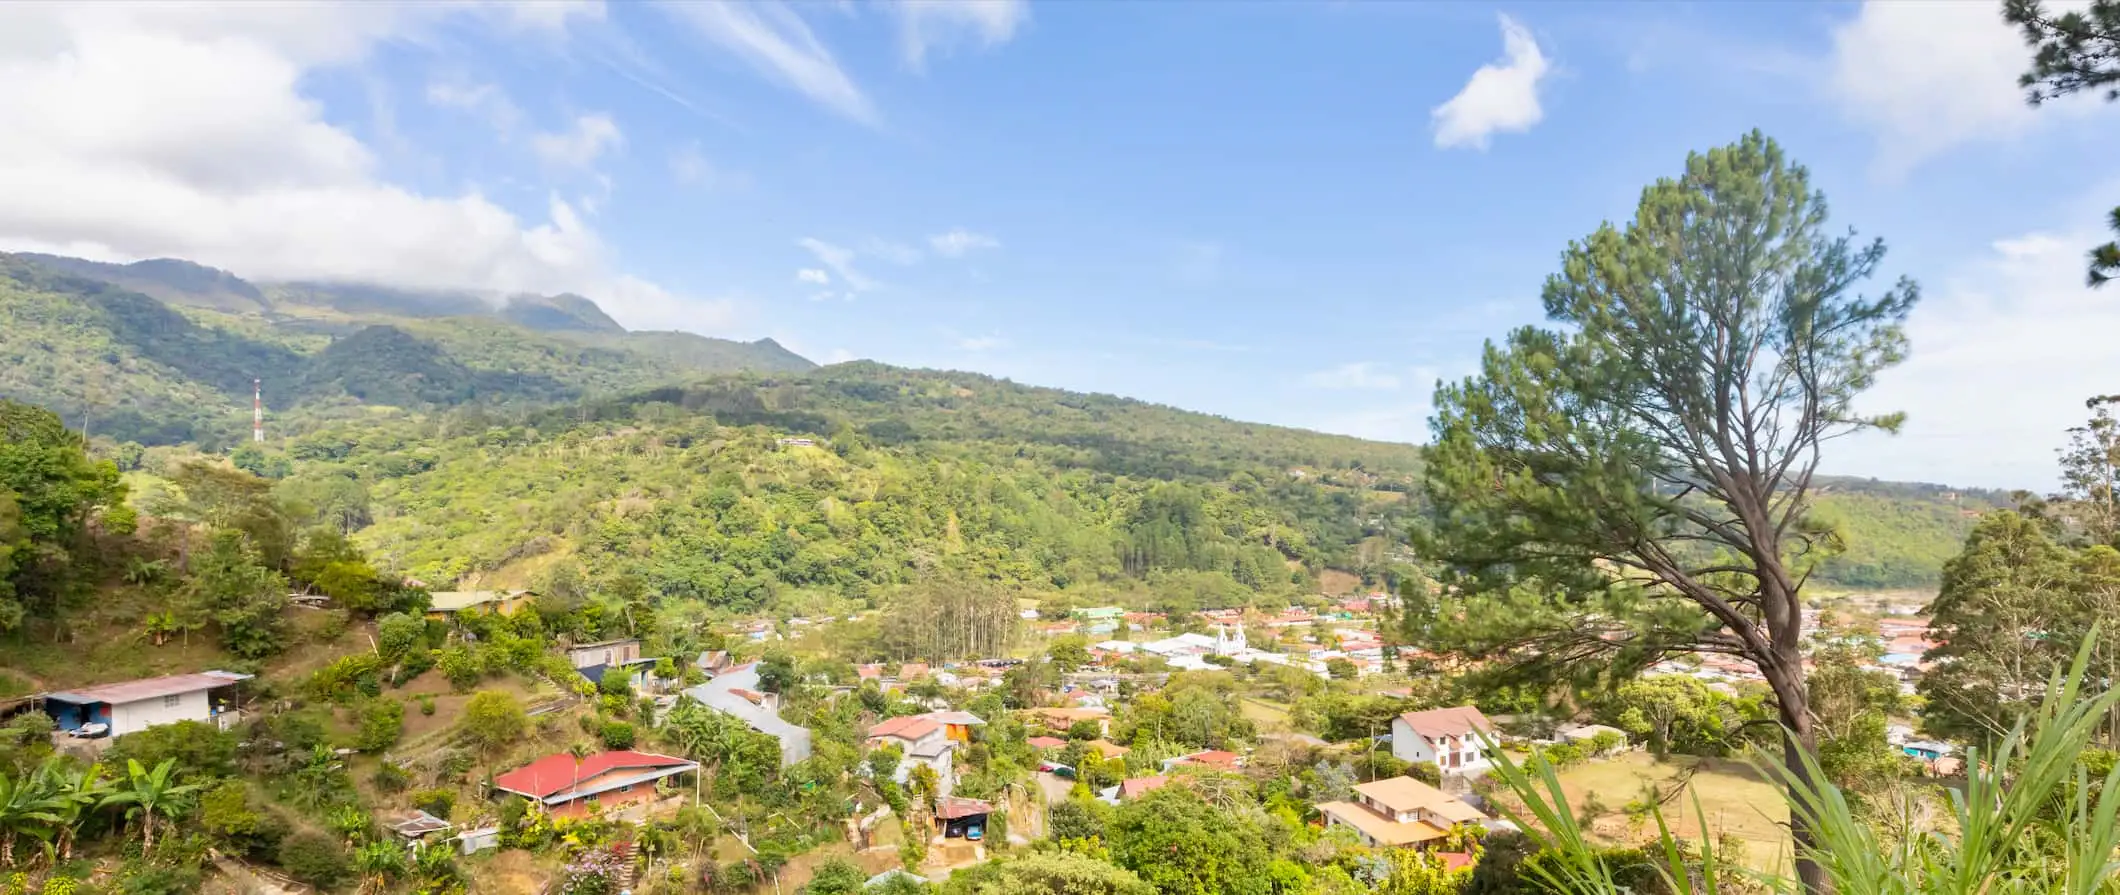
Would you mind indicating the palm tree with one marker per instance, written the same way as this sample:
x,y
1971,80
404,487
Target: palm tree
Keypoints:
x,y
580,751
27,808
74,794
151,794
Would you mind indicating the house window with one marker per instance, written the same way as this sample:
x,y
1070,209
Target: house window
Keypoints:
x,y
172,701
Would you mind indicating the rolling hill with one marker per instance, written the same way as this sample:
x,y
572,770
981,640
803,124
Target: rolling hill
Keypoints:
x,y
165,351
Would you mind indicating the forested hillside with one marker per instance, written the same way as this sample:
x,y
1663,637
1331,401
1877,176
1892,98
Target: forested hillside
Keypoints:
x,y
165,352
708,493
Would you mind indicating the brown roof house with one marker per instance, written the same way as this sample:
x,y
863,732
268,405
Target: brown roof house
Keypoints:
x,y
1399,812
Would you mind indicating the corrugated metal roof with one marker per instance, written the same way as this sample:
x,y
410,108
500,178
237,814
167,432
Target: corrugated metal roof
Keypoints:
x,y
150,688
720,695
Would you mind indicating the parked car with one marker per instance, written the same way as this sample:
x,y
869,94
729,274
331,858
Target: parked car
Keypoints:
x,y
1058,770
975,832
91,730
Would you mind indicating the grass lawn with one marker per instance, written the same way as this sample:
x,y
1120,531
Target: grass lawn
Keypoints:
x,y
1733,798
1268,715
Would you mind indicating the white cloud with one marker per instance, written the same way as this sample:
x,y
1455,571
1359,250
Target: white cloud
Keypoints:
x,y
1926,76
894,252
486,101
813,275
183,131
2003,356
775,41
1357,375
976,344
579,147
940,24
1502,97
841,261
959,242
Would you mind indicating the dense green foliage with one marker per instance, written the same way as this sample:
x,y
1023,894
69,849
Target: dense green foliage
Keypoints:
x,y
1895,536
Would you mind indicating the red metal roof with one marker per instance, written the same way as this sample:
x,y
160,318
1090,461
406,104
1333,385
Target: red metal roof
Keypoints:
x,y
953,808
1047,742
1214,758
553,774
150,688
1135,786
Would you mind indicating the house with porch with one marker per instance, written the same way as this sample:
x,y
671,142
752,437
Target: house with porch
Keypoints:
x,y
931,739
1400,812
130,706
607,781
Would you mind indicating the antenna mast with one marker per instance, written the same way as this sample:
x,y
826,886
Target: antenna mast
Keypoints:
x,y
257,411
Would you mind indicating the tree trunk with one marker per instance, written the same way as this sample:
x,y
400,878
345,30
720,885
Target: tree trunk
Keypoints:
x,y
1799,746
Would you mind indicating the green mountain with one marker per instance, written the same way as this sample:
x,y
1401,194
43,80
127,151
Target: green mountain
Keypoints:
x,y
165,351
747,489
559,313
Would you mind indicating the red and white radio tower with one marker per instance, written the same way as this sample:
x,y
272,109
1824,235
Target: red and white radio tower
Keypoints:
x,y
257,411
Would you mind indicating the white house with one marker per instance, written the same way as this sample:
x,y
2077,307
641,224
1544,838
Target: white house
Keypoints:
x,y
929,739
138,705
1448,737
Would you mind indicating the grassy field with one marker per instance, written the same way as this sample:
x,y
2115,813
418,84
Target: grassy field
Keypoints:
x,y
1269,716
1732,797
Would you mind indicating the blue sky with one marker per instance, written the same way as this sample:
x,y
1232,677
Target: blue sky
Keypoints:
x,y
1284,212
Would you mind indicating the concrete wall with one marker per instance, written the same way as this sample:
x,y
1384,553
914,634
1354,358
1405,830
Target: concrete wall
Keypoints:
x,y
135,716
1409,746
610,801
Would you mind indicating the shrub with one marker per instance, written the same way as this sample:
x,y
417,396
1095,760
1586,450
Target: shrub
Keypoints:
x,y
382,722
438,802
1426,771
461,666
427,704
201,749
493,719
314,858
614,683
617,735
390,778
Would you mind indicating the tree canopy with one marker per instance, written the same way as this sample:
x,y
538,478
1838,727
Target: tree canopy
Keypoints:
x,y
1635,482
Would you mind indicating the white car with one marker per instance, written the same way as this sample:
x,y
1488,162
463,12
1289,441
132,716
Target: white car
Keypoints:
x,y
91,730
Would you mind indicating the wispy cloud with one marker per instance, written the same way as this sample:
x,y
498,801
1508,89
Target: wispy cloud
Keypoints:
x,y
959,242
841,261
1501,97
814,276
486,101
894,252
925,25
774,40
977,344
580,146
1356,375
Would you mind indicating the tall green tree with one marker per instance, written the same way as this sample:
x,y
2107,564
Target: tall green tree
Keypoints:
x,y
2072,52
1183,846
49,489
2000,600
1633,483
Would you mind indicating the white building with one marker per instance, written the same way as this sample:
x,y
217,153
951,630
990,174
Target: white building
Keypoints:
x,y
138,705
1450,738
